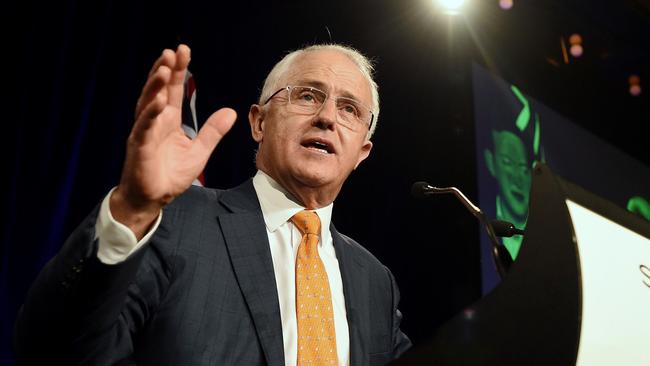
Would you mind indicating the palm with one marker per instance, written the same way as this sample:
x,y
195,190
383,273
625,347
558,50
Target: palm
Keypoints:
x,y
169,160
161,161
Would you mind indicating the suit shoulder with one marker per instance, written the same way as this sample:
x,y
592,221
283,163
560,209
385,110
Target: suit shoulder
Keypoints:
x,y
196,197
361,251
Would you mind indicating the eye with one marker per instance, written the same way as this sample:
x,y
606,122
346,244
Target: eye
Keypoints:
x,y
307,96
348,107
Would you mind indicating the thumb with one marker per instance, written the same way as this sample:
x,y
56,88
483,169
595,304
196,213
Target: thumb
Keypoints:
x,y
213,130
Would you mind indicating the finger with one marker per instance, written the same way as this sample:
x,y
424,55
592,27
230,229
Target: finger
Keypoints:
x,y
167,57
217,125
143,125
154,85
177,79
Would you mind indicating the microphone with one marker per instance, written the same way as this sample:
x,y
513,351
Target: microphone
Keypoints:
x,y
505,228
500,255
501,228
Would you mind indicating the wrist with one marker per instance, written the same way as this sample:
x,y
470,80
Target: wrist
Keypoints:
x,y
136,216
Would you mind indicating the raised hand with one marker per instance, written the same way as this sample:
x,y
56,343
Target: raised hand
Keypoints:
x,y
161,162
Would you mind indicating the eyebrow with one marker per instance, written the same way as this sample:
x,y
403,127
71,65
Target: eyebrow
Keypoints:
x,y
321,85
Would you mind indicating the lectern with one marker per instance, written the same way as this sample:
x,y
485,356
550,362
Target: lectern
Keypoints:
x,y
578,294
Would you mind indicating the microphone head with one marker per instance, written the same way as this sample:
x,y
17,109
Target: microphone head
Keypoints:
x,y
420,189
502,228
505,229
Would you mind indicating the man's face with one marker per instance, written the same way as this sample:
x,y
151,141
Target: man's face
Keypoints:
x,y
512,171
291,144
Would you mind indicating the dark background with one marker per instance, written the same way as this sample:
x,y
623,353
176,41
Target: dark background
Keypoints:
x,y
73,71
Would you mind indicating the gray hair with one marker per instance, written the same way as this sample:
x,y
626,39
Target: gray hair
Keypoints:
x,y
365,66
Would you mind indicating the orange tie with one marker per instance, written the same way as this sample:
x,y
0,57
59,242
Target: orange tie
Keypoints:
x,y
316,334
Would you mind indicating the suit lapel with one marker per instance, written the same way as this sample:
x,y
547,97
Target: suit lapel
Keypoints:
x,y
248,246
357,298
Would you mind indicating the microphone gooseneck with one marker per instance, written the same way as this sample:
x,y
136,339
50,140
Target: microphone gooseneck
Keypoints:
x,y
500,255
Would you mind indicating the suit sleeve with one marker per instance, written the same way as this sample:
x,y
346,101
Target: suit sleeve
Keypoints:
x,y
80,310
400,341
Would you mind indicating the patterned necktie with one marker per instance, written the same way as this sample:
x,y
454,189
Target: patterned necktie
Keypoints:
x,y
316,334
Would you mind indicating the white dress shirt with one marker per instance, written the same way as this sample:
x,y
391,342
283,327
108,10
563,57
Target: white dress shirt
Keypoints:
x,y
117,242
284,238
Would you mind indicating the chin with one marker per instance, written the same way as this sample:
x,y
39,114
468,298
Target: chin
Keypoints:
x,y
314,174
314,179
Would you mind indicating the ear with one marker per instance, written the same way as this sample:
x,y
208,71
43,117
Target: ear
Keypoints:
x,y
489,161
365,151
256,119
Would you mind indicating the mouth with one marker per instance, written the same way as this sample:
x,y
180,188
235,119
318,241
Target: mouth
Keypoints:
x,y
319,145
518,196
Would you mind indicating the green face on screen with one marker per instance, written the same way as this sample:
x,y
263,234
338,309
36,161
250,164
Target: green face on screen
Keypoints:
x,y
512,170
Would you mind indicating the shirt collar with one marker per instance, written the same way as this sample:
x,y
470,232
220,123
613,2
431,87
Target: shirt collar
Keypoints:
x,y
278,205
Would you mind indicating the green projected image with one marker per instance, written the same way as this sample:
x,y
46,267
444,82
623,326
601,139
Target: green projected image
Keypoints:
x,y
513,132
640,206
510,161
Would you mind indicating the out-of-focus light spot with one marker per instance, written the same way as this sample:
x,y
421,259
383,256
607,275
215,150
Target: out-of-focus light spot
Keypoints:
x,y
469,314
576,50
451,6
575,39
506,4
576,45
635,85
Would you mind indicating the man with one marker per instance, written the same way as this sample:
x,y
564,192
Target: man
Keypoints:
x,y
163,273
510,162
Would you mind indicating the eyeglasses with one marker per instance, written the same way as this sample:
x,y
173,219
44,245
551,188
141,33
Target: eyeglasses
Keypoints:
x,y
309,100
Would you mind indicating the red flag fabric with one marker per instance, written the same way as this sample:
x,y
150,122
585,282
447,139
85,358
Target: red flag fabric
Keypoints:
x,y
189,121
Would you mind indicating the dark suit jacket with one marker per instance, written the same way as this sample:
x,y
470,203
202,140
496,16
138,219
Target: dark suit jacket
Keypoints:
x,y
202,292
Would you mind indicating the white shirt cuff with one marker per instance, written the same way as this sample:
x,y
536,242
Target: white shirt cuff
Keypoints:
x,y
116,241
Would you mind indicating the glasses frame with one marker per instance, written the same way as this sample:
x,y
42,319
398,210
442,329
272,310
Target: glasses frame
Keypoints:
x,y
289,87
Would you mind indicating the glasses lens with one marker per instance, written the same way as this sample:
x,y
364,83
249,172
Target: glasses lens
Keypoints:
x,y
352,111
307,98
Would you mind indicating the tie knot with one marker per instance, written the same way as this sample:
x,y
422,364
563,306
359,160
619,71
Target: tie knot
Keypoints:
x,y
307,222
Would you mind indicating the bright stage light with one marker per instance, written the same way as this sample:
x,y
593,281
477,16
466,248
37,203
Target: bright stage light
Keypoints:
x,y
451,6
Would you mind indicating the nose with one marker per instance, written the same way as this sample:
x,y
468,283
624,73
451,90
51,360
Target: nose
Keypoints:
x,y
518,177
327,115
